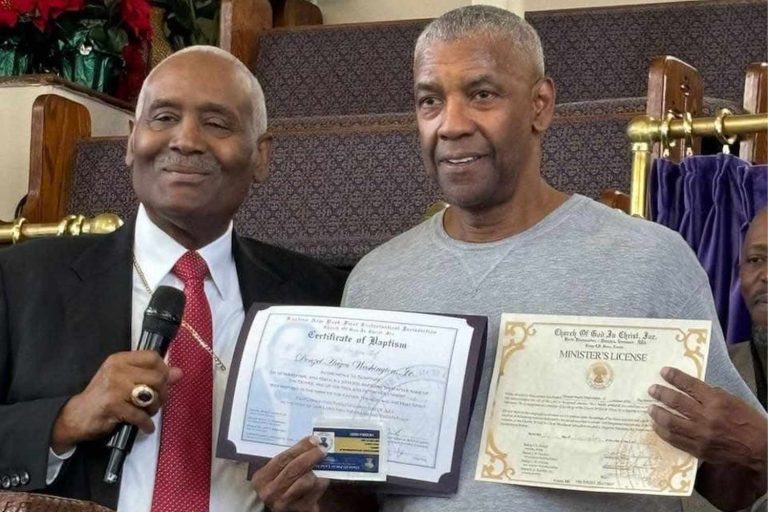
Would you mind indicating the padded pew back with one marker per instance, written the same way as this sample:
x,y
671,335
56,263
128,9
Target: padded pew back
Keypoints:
x,y
592,53
333,195
336,193
338,70
100,181
603,52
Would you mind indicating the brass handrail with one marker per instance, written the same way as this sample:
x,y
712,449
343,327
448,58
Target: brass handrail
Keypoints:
x,y
71,225
644,131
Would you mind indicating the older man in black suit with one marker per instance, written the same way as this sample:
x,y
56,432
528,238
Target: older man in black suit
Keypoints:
x,y
71,310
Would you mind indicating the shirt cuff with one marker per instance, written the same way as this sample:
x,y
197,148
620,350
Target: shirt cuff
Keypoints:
x,y
54,464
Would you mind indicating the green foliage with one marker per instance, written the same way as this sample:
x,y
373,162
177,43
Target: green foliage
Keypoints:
x,y
99,25
190,22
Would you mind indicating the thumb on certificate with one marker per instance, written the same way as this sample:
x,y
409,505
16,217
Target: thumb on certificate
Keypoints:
x,y
287,479
296,460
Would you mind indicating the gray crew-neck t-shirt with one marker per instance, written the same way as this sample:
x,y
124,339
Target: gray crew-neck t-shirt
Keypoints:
x,y
582,259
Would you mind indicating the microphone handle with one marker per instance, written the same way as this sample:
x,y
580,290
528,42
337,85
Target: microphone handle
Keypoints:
x,y
153,341
122,439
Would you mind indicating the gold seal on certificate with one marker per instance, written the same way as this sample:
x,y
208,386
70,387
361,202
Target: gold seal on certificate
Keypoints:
x,y
599,375
567,407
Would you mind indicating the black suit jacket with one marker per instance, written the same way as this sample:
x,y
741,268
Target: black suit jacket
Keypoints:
x,y
65,306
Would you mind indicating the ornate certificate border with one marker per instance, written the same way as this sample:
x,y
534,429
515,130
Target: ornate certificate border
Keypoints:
x,y
497,465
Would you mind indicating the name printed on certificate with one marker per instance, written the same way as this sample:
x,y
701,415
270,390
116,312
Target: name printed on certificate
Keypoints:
x,y
301,364
568,403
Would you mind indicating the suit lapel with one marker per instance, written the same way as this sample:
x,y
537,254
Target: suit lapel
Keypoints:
x,y
101,302
258,282
99,313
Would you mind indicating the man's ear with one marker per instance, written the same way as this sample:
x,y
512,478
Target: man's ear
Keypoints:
x,y
543,104
263,153
129,149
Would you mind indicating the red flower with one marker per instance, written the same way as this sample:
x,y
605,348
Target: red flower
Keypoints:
x,y
10,10
135,70
50,9
135,14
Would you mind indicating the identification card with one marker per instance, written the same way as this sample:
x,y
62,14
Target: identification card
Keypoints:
x,y
354,451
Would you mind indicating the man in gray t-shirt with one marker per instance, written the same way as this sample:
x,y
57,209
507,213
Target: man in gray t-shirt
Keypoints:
x,y
510,242
583,258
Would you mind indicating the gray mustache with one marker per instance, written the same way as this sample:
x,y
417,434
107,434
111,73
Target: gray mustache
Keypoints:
x,y
206,162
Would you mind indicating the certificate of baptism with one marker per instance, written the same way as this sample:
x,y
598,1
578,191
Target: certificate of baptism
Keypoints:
x,y
410,373
568,403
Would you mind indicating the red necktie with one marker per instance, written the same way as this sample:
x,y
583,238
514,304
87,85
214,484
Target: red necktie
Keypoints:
x,y
183,479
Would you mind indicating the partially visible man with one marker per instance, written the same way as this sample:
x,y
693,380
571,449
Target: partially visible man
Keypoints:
x,y
71,309
511,242
750,357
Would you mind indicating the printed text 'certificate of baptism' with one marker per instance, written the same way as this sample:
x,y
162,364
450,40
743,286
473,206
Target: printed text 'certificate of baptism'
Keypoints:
x,y
568,403
405,371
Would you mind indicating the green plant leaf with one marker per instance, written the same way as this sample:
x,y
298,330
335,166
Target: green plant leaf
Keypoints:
x,y
188,22
207,31
118,39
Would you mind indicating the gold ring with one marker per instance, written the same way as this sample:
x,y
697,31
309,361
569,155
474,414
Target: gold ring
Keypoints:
x,y
688,133
720,129
16,230
142,395
666,143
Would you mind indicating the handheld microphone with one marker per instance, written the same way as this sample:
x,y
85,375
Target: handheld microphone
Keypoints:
x,y
161,321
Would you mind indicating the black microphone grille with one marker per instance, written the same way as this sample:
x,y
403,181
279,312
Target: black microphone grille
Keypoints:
x,y
165,310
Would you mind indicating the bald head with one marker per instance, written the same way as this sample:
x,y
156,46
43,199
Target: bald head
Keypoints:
x,y
240,73
198,144
758,227
497,26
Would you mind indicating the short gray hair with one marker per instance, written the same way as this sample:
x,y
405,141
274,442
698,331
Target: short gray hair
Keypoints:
x,y
485,20
258,105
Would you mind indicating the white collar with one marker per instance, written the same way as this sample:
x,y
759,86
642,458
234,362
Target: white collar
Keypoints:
x,y
157,252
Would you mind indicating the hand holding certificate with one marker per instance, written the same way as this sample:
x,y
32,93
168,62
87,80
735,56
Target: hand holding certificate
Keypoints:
x,y
568,404
299,367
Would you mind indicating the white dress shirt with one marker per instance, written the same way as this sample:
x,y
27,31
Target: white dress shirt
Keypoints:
x,y
156,253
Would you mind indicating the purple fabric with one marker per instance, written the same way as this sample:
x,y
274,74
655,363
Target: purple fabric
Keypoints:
x,y
697,200
665,180
710,201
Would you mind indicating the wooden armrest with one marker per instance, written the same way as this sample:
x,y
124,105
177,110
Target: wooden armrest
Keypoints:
x,y
615,199
57,124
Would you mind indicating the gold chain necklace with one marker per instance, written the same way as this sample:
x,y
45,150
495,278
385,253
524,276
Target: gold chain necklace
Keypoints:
x,y
191,330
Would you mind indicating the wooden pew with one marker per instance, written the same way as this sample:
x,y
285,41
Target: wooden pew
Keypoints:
x,y
243,22
297,146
